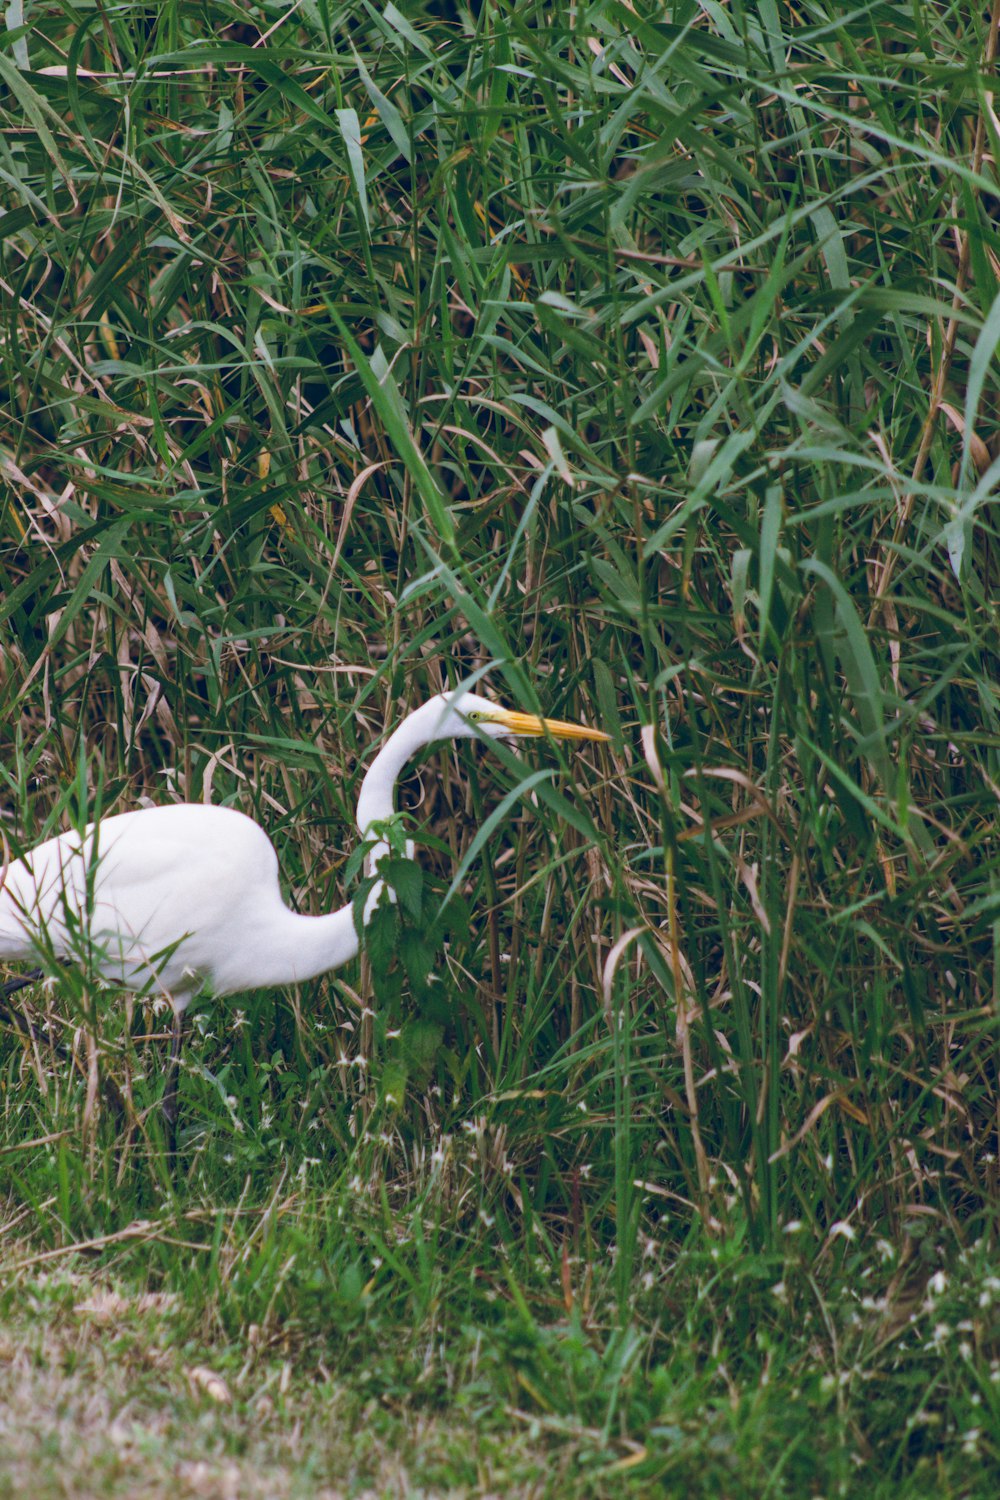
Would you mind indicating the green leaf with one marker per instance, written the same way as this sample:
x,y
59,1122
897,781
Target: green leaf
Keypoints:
x,y
385,398
386,110
407,880
350,129
609,718
417,951
38,111
852,646
770,531
421,1041
382,937
392,1085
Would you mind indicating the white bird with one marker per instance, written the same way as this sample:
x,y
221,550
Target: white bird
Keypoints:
x,y
185,898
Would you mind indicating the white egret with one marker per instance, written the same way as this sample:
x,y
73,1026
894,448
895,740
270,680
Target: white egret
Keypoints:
x,y
184,898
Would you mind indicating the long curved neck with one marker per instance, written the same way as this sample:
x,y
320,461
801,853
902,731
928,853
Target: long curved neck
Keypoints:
x,y
377,799
312,945
279,946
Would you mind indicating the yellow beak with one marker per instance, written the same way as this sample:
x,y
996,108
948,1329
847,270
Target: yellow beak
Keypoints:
x,y
559,729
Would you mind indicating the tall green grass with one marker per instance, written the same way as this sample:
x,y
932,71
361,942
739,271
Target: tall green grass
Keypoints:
x,y
640,365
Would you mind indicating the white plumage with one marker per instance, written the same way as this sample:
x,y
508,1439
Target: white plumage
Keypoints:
x,y
173,899
177,899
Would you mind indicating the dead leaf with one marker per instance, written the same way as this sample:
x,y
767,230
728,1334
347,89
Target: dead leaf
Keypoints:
x,y
978,450
202,1379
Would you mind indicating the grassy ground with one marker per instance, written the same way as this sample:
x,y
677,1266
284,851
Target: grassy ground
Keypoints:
x,y
637,364
890,1390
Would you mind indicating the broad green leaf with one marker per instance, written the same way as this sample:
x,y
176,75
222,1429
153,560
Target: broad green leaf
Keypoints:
x,y
350,129
385,397
863,684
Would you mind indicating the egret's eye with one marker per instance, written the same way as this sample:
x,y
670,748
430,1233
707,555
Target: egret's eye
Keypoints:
x,y
475,716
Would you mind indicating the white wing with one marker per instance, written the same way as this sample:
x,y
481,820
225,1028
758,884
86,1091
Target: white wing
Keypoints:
x,y
159,898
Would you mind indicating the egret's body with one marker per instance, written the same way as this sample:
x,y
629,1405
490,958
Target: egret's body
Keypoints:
x,y
179,899
169,899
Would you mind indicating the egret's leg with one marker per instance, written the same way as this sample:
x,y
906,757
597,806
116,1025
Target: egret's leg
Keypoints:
x,y
21,981
23,1026
169,1105
14,1018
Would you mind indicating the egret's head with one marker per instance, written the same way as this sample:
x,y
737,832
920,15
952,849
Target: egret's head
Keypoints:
x,y
450,716
467,715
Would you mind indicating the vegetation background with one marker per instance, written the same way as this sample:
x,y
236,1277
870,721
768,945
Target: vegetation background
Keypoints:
x,y
636,362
